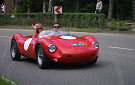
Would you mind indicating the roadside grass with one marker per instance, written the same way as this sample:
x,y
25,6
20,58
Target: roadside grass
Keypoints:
x,y
16,27
119,25
5,81
93,30
111,27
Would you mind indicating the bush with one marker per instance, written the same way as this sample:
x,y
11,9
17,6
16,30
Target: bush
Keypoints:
x,y
88,8
123,28
5,81
113,25
85,20
118,25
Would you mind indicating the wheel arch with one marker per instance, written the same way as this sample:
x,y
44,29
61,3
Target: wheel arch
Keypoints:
x,y
43,45
37,47
17,37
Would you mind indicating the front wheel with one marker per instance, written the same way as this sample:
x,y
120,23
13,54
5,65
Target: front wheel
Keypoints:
x,y
15,55
93,62
42,59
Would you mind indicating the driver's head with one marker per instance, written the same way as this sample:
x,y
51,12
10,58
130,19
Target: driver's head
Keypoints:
x,y
56,25
39,27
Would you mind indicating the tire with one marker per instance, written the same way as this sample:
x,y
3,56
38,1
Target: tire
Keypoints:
x,y
14,52
42,59
93,62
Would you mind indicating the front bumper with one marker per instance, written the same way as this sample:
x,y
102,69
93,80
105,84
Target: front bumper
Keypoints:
x,y
76,58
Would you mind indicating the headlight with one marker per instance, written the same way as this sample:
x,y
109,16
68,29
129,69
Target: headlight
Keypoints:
x,y
96,45
52,48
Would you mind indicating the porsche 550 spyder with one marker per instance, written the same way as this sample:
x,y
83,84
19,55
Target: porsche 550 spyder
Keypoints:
x,y
58,46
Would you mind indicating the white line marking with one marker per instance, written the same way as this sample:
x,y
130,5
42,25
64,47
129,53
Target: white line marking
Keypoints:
x,y
5,37
120,48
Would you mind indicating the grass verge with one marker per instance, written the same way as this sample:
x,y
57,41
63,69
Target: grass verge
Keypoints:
x,y
93,30
5,81
107,29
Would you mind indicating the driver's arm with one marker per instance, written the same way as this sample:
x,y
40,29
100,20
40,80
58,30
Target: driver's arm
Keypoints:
x,y
34,33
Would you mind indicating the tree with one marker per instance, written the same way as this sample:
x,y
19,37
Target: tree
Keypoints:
x,y
25,6
50,6
77,5
133,9
44,6
110,11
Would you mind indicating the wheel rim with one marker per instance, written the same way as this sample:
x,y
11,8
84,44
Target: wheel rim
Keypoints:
x,y
40,56
13,51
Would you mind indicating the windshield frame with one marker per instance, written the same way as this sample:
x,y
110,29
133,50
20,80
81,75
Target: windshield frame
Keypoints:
x,y
46,33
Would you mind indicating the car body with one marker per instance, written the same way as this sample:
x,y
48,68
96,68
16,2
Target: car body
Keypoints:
x,y
58,46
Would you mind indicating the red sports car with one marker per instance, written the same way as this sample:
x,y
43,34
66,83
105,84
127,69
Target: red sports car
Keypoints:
x,y
58,46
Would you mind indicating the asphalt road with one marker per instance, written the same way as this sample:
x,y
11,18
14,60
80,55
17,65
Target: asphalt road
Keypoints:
x,y
116,65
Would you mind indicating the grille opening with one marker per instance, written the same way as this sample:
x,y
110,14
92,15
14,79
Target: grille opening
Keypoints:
x,y
93,55
69,56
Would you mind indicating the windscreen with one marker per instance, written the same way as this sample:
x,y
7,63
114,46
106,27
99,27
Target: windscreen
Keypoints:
x,y
53,32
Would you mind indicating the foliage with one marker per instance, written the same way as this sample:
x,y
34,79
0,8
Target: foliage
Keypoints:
x,y
24,5
80,20
29,27
123,28
123,9
4,19
88,8
15,10
4,81
118,25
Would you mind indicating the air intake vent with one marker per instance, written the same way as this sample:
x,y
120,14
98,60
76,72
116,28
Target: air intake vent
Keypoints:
x,y
69,56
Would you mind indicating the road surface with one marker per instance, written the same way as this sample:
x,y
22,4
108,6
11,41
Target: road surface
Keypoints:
x,y
116,65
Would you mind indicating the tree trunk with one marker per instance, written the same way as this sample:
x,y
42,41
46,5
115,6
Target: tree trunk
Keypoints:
x,y
50,6
28,10
44,9
77,5
28,5
110,11
133,2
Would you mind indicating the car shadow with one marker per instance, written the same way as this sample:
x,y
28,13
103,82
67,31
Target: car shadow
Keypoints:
x,y
68,66
71,66
26,59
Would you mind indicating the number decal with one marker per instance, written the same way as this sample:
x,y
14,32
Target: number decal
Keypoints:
x,y
68,37
27,43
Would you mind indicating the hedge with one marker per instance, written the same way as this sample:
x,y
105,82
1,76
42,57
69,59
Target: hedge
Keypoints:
x,y
82,20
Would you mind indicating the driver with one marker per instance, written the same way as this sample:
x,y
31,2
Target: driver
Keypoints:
x,y
37,29
56,27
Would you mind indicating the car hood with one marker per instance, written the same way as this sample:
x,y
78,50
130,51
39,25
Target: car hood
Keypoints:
x,y
69,41
68,44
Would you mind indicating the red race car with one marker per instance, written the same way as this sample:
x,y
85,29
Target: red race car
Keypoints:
x,y
58,46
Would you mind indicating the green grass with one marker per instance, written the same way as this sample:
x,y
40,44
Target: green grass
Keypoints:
x,y
5,81
93,30
119,25
112,28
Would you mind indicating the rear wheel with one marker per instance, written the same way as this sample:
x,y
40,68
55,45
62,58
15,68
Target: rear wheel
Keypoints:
x,y
15,55
42,59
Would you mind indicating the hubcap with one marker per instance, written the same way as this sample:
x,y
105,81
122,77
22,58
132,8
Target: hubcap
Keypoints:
x,y
40,57
13,52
